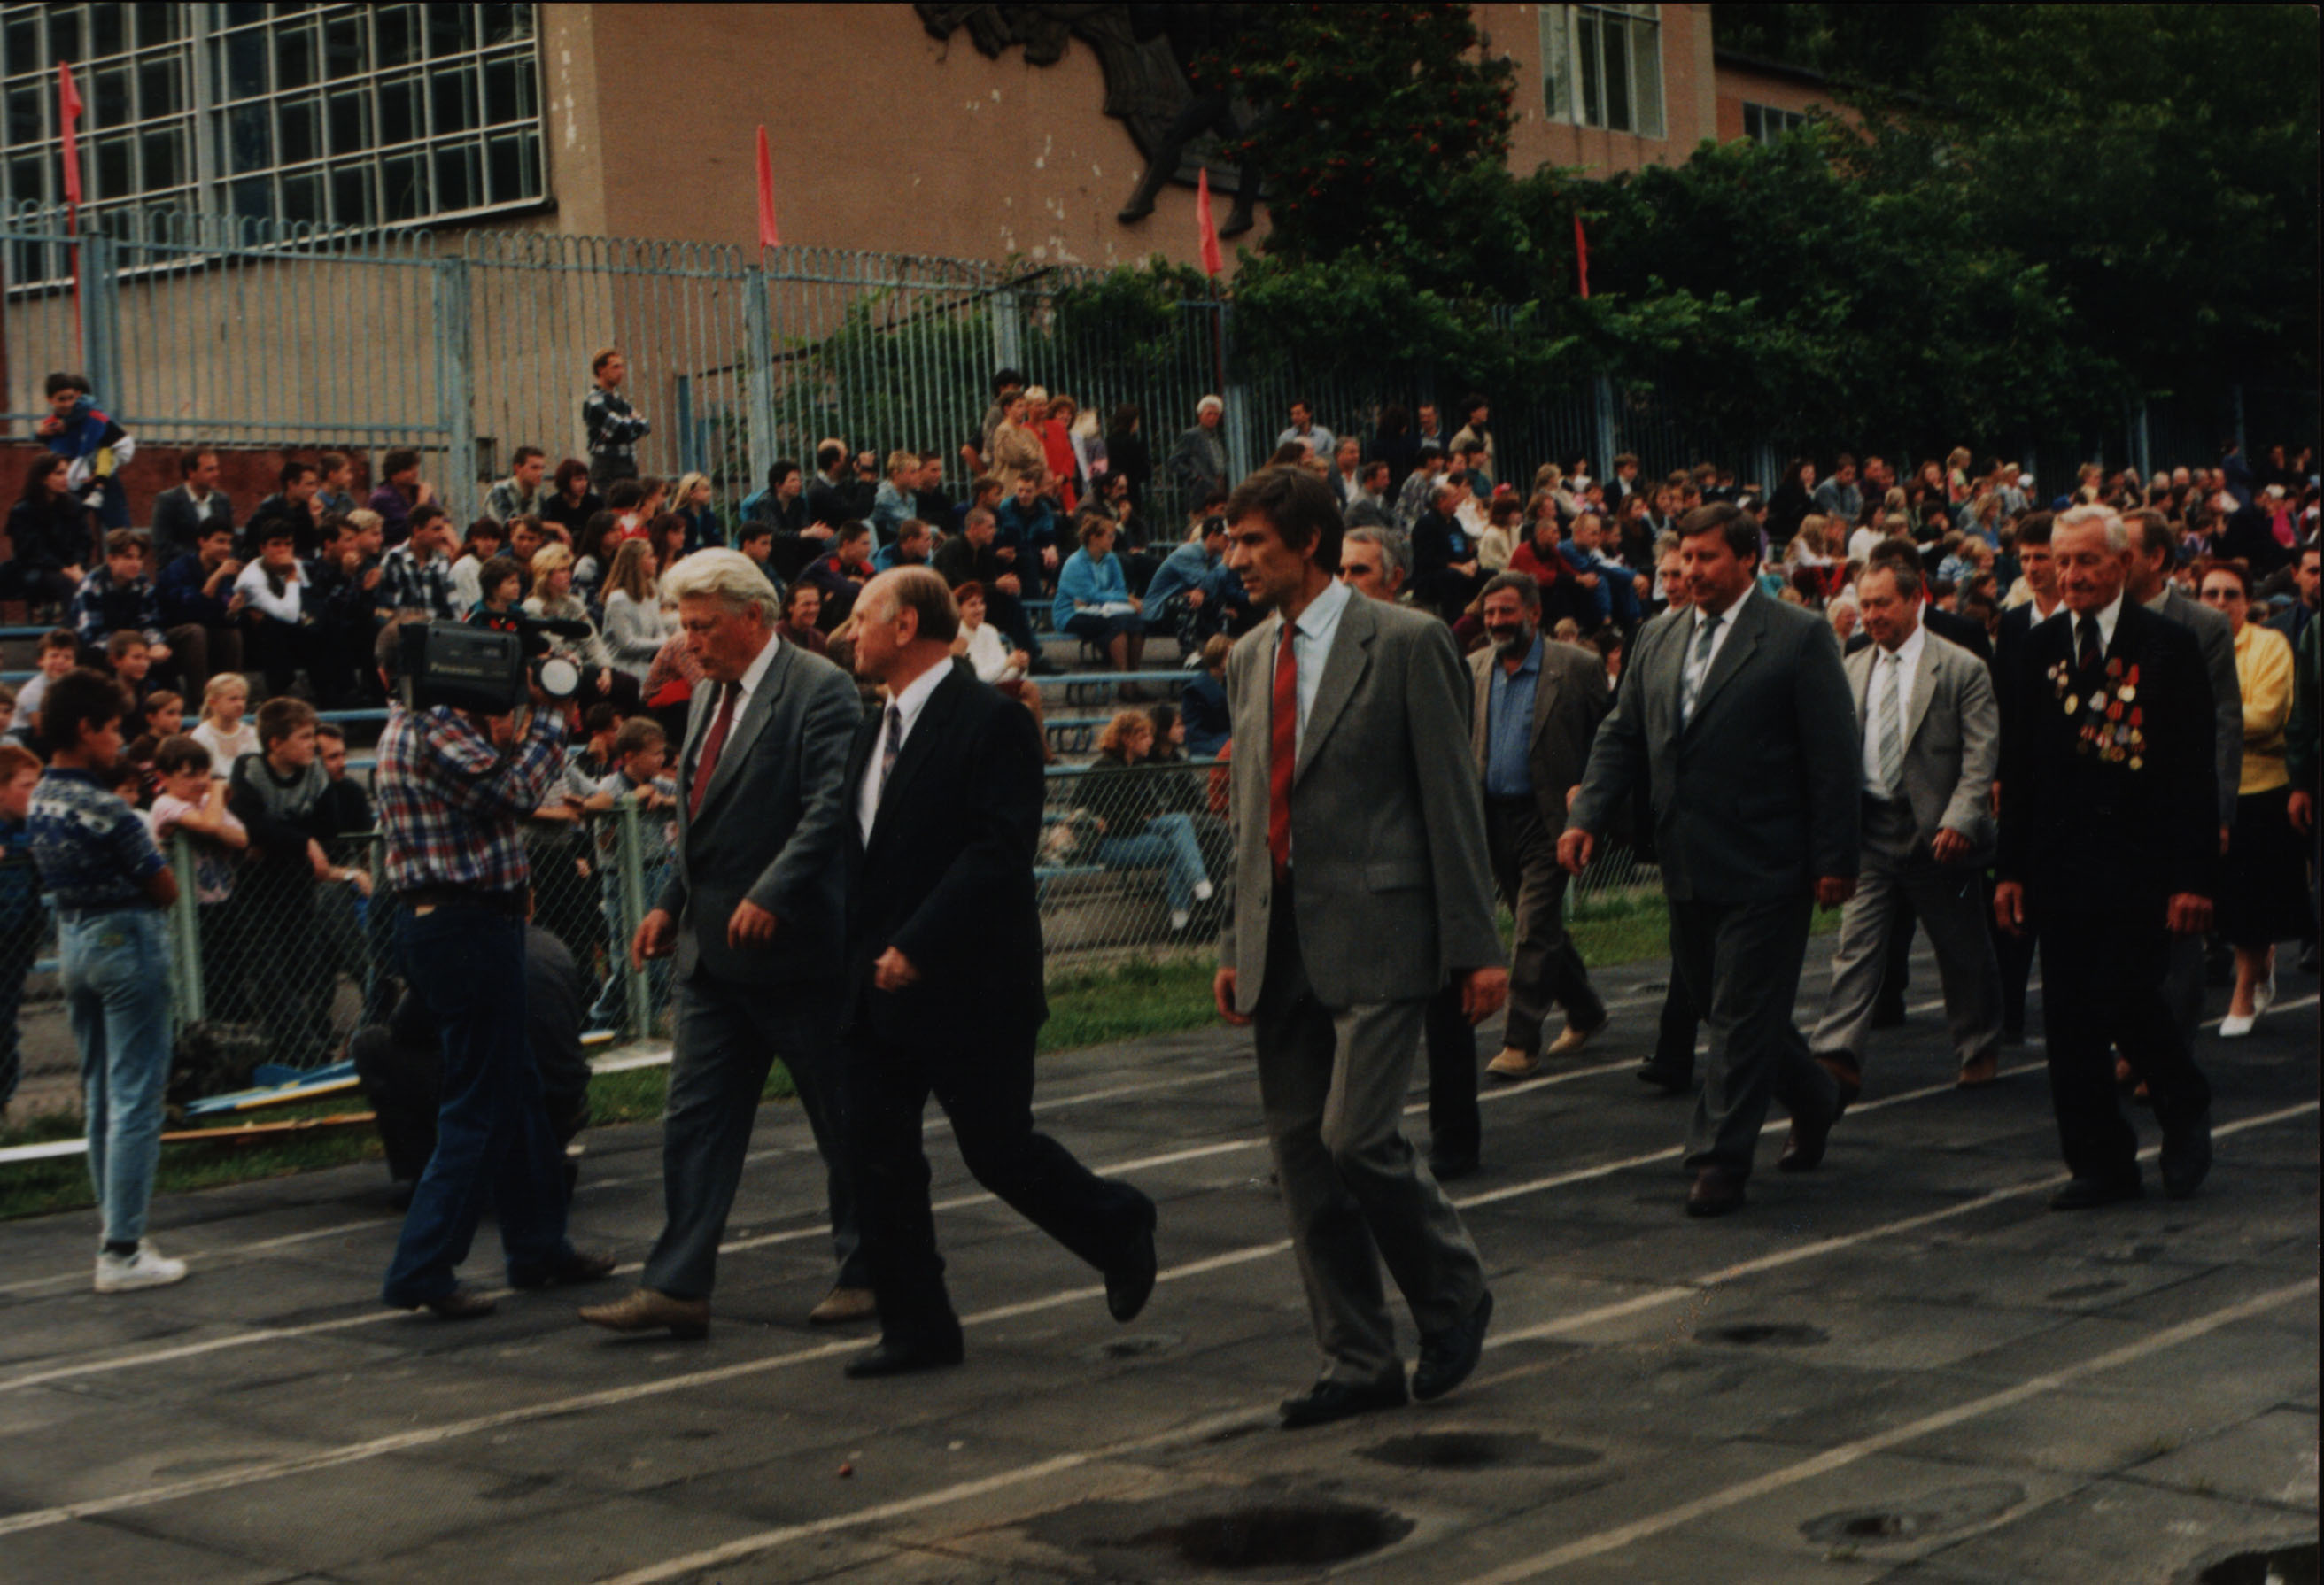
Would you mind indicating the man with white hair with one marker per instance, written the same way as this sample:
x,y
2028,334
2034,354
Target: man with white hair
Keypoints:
x,y
752,911
1199,461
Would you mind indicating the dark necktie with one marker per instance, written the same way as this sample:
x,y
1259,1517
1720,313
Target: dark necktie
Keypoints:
x,y
891,744
2090,653
713,745
1283,752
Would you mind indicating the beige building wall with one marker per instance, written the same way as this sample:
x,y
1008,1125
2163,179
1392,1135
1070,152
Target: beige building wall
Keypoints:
x,y
880,138
1689,100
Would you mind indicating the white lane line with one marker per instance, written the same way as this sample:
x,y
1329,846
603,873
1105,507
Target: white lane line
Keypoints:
x,y
1636,1304
1847,1453
426,1436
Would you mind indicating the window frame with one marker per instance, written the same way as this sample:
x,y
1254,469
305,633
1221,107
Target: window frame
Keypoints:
x,y
1579,43
1785,122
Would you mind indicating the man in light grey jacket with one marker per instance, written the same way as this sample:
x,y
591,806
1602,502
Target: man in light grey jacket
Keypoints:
x,y
1361,886
1931,731
753,914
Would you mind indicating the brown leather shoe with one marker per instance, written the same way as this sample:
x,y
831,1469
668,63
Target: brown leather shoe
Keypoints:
x,y
842,1306
1716,1193
1980,1071
646,1310
1510,1063
459,1304
1570,1040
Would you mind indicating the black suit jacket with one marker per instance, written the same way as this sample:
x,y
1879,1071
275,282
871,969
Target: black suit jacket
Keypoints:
x,y
2089,835
947,876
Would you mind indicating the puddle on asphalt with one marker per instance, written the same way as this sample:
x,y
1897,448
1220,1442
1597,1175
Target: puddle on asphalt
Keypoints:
x,y
1221,1532
1931,1515
1777,1334
1477,1449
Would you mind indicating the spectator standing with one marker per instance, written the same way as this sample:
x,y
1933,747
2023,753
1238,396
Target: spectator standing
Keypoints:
x,y
1305,431
1534,710
400,495
1198,462
1017,450
612,424
1417,497
24,923
200,608
1739,716
1127,454
1838,497
827,493
1476,430
634,628
1348,713
572,504
978,452
94,447
2261,896
1058,458
640,751
520,494
189,511
110,884
1792,500
47,528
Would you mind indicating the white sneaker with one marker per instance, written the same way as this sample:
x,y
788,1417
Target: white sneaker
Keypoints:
x,y
147,1269
2235,1026
1204,892
1180,919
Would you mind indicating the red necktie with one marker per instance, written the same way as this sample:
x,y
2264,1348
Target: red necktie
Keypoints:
x,y
1282,754
706,763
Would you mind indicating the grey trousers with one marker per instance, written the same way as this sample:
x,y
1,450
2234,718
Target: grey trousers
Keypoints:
x,y
1949,903
1545,969
728,1036
1739,964
1332,1082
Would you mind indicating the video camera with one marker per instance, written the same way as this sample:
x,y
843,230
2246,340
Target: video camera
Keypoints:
x,y
488,671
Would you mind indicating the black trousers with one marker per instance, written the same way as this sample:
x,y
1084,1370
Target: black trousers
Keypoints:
x,y
986,1089
2102,984
1456,1130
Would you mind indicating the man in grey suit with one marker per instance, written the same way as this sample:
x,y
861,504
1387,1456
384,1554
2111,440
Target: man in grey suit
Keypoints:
x,y
1361,886
753,912
2150,584
1931,731
1536,705
1738,712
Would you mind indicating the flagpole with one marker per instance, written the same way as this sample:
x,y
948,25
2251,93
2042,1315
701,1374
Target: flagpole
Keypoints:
x,y
68,109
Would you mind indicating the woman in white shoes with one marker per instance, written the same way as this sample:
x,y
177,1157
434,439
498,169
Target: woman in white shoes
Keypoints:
x,y
111,887
2263,893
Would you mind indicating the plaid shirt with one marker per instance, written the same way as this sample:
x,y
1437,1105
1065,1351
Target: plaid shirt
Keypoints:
x,y
453,805
406,583
102,607
613,426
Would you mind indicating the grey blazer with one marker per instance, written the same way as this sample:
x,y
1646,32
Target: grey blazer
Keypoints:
x,y
772,828
1394,889
1952,741
1569,700
1760,794
2217,641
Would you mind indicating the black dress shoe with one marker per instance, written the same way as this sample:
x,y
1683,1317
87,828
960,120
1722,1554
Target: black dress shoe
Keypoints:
x,y
2089,1193
1716,1193
1130,1281
903,1357
1803,1147
1327,1401
2186,1155
1847,1072
459,1304
1668,1080
580,1266
1447,1357
1445,1169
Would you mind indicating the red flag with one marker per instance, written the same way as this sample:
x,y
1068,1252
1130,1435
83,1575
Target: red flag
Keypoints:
x,y
68,109
1204,225
767,236
1581,255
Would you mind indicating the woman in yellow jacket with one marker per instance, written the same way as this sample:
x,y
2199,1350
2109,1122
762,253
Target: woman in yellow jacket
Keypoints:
x,y
2263,892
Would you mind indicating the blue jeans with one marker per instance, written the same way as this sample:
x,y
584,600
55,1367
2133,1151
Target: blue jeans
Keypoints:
x,y
493,1142
1168,840
116,973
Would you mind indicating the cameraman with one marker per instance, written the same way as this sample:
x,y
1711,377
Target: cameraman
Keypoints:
x,y
454,787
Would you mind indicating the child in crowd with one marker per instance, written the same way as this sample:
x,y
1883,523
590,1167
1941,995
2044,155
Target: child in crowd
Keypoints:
x,y
96,447
193,801
593,761
60,653
21,925
222,729
164,715
132,659
98,861
640,751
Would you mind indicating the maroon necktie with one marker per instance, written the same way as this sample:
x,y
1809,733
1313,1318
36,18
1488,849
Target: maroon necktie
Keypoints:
x,y
1282,754
706,764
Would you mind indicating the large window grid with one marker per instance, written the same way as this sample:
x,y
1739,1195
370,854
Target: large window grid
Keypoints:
x,y
1602,66
346,116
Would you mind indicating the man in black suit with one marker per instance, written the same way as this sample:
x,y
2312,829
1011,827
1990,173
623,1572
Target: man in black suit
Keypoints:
x,y
942,976
2015,951
752,913
2110,838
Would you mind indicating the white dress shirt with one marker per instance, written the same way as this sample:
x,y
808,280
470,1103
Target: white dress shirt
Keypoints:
x,y
747,685
1718,640
907,704
1311,643
1906,657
